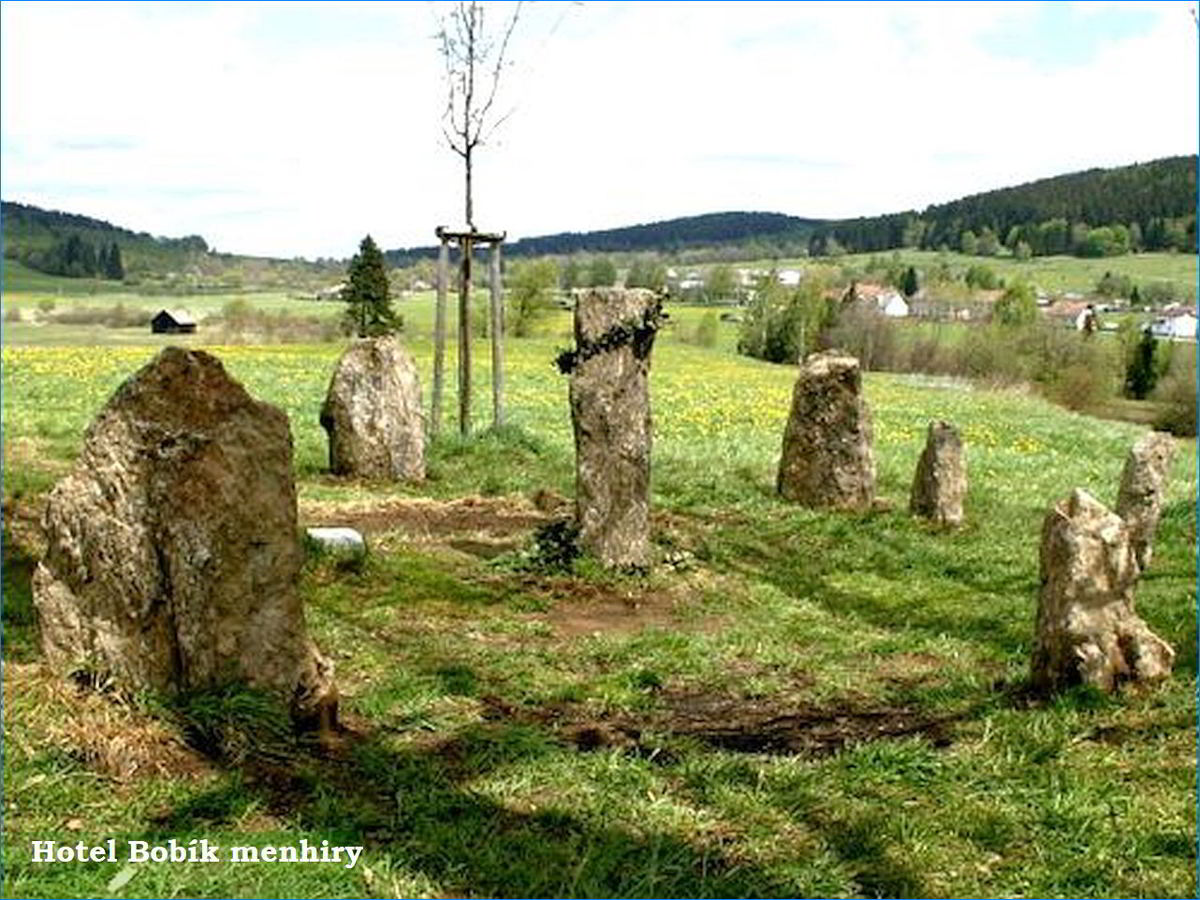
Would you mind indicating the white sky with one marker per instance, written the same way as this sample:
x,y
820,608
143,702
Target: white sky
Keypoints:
x,y
292,129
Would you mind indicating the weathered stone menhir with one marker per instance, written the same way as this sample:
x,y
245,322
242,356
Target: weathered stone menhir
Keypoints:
x,y
1143,488
940,483
1087,629
373,415
828,459
173,548
610,410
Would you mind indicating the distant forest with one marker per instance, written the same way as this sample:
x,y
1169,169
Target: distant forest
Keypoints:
x,y
60,243
773,230
1100,212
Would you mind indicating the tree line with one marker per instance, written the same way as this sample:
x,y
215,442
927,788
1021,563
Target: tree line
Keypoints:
x,y
77,257
1100,212
709,230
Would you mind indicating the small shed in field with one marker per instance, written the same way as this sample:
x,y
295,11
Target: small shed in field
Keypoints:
x,y
173,321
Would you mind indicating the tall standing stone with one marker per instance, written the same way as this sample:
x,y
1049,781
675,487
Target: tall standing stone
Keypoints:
x,y
173,548
373,415
610,410
1143,488
828,459
1087,629
940,484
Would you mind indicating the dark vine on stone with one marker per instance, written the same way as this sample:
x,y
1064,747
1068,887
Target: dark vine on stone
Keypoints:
x,y
639,333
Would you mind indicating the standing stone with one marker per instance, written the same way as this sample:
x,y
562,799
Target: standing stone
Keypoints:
x,y
173,547
610,410
940,484
373,414
1143,487
1087,629
828,459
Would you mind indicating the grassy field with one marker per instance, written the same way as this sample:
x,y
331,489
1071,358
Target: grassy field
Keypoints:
x,y
1054,274
794,703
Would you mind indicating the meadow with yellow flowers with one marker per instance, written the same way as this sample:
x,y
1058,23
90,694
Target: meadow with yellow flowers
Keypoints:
x,y
792,703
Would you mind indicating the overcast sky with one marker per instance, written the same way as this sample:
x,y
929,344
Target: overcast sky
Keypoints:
x,y
292,129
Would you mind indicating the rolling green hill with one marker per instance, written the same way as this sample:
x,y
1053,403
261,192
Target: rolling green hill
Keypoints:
x,y
34,240
1151,206
1154,202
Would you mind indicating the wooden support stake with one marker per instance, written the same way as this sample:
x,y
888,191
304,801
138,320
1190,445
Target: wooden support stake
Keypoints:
x,y
467,248
439,335
497,297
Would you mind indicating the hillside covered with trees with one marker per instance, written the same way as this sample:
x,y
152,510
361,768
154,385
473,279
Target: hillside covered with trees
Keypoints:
x,y
1099,212
75,246
752,230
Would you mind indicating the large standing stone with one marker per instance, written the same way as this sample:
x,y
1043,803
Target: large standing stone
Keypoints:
x,y
940,483
173,547
610,409
1143,487
1087,629
373,414
827,458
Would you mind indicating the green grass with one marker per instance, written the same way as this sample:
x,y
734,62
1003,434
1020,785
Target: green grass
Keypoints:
x,y
1054,274
465,681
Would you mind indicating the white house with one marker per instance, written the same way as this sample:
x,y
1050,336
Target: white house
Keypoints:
x,y
790,277
889,301
1180,326
892,305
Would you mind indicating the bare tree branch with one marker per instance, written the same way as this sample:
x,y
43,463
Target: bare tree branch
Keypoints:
x,y
470,56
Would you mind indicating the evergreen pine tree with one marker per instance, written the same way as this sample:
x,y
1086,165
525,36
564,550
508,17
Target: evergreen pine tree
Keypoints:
x,y
1141,374
909,283
369,306
112,267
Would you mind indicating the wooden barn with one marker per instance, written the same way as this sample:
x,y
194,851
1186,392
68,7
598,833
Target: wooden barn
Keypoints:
x,y
173,321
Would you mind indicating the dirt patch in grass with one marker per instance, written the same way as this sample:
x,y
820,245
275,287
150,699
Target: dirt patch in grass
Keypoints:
x,y
778,726
585,608
480,518
108,736
579,607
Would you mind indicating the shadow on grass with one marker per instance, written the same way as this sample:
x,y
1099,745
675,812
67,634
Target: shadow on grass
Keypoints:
x,y
16,597
800,558
417,807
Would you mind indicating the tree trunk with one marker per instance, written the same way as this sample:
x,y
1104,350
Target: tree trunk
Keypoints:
x,y
464,336
497,297
439,338
470,206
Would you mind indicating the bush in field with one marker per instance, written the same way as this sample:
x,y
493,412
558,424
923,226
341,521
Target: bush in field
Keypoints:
x,y
531,286
1017,306
117,316
1177,394
1159,293
1111,285
242,323
981,277
1086,381
783,324
646,272
601,272
864,333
